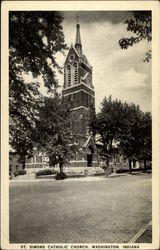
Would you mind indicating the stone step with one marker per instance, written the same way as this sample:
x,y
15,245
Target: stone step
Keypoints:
x,y
83,170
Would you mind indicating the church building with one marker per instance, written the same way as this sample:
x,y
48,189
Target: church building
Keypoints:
x,y
79,87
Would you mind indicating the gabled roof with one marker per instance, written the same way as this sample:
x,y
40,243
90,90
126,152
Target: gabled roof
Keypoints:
x,y
89,142
81,56
84,58
71,47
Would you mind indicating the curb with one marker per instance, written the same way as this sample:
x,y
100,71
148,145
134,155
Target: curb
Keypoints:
x,y
139,234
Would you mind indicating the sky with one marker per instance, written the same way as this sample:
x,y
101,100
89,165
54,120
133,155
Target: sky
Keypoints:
x,y
120,73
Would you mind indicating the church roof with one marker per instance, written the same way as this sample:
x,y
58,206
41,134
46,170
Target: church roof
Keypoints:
x,y
88,142
86,60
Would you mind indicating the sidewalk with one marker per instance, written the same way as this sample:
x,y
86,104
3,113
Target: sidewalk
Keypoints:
x,y
32,177
100,177
25,177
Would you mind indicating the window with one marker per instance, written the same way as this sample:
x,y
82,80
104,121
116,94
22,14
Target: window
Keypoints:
x,y
69,75
28,160
34,160
75,68
38,158
117,159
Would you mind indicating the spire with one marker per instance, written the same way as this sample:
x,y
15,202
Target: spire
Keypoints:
x,y
78,44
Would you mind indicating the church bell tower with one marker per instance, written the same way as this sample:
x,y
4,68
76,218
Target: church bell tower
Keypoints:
x,y
79,87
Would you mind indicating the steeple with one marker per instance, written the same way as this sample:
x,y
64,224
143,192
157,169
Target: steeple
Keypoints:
x,y
78,44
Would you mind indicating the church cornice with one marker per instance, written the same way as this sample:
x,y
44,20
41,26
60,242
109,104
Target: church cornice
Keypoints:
x,y
80,84
77,92
80,107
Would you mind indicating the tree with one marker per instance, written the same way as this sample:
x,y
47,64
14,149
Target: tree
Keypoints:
x,y
22,118
125,124
34,39
53,130
145,132
106,122
129,136
107,125
136,135
141,25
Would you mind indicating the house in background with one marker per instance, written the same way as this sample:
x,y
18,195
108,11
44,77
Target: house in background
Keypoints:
x,y
33,164
14,164
38,161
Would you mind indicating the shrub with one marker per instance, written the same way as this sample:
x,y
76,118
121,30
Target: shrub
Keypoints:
x,y
16,173
22,172
149,165
60,176
127,170
46,172
19,172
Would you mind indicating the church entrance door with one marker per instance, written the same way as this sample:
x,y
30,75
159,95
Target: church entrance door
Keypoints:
x,y
90,152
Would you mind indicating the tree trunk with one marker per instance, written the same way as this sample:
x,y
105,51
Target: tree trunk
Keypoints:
x,y
134,163
107,167
130,166
114,164
145,166
61,167
24,163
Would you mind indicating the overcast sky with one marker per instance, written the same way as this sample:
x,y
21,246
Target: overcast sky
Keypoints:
x,y
120,73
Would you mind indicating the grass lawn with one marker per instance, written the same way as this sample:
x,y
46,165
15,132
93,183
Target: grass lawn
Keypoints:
x,y
110,210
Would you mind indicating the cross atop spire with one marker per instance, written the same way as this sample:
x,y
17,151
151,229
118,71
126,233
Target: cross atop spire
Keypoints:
x,y
78,44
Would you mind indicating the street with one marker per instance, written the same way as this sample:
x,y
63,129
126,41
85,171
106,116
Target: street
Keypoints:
x,y
100,210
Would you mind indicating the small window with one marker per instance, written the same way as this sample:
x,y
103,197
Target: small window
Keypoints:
x,y
38,159
75,65
16,167
34,160
117,159
10,167
28,160
69,75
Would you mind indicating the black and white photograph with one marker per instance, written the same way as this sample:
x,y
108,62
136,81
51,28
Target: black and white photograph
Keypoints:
x,y
80,169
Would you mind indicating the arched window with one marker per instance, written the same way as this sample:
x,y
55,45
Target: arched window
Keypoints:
x,y
75,68
69,75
